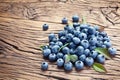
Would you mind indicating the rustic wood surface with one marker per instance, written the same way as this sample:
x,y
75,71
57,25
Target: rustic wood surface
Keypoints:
x,y
21,35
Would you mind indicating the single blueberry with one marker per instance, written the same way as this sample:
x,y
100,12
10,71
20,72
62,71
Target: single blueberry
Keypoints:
x,y
44,66
85,43
76,40
66,50
68,66
82,57
64,20
89,61
112,51
75,18
100,58
52,57
79,65
82,36
60,62
45,27
60,55
46,52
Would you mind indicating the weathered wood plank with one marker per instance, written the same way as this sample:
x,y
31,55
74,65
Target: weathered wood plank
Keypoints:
x,y
21,35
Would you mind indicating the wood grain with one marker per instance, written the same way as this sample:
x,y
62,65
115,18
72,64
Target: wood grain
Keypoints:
x,y
21,35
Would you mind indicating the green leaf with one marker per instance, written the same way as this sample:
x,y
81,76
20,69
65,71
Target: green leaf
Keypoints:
x,y
67,58
83,20
103,51
64,46
73,58
99,67
41,47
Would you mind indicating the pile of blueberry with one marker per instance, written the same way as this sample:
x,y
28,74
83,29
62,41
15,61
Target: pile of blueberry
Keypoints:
x,y
78,40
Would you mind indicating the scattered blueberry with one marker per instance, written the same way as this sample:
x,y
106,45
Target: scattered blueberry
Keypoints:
x,y
112,51
44,66
75,18
45,27
64,21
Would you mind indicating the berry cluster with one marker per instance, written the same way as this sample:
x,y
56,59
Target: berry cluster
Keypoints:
x,y
78,40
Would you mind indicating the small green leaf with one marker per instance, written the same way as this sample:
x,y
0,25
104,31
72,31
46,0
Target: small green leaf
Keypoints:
x,y
99,67
83,20
67,58
64,46
103,51
73,58
41,47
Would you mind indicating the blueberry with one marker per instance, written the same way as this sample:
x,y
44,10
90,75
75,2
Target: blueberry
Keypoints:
x,y
75,18
59,43
52,57
44,66
84,26
103,33
51,36
76,33
46,52
68,66
82,36
61,33
82,57
79,50
106,38
76,25
89,61
107,43
79,65
92,47
60,62
85,43
85,31
103,46
60,55
100,58
45,27
64,20
72,51
99,37
93,41
112,51
91,30
77,28
66,50
54,39
86,52
72,45
71,29
52,43
96,33
97,27
63,39
76,40
69,37
99,43
93,54
55,49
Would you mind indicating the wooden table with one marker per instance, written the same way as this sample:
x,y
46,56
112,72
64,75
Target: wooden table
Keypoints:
x,y
21,35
